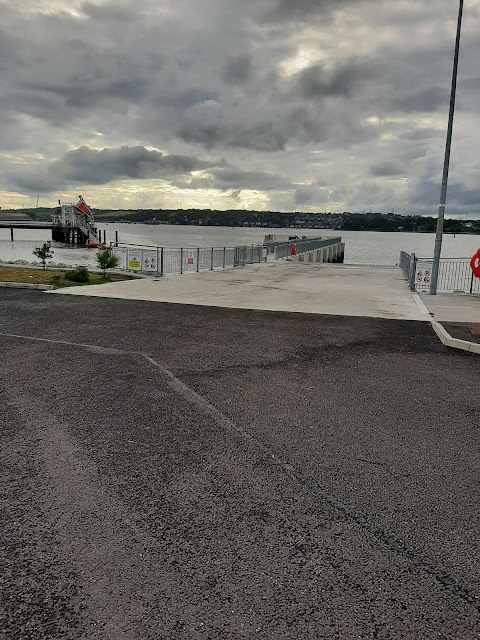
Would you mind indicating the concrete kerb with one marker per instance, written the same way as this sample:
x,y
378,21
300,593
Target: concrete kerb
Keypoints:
x,y
26,285
454,343
445,338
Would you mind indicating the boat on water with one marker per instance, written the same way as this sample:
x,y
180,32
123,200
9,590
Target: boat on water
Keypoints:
x,y
92,244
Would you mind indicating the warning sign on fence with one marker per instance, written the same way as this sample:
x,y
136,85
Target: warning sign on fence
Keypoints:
x,y
423,274
149,261
135,259
121,254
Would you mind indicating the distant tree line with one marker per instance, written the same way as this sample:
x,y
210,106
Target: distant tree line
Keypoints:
x,y
300,220
422,224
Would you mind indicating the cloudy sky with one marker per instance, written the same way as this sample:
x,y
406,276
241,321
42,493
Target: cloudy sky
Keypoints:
x,y
313,105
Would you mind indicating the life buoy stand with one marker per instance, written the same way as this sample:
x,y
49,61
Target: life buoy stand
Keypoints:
x,y
475,264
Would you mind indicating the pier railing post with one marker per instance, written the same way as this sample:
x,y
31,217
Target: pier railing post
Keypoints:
x,y
181,260
211,261
161,263
224,253
413,272
198,259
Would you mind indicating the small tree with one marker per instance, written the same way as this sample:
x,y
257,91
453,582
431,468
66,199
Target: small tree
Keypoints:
x,y
44,252
106,260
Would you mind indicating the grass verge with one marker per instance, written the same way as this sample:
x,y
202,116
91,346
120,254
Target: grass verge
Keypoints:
x,y
55,278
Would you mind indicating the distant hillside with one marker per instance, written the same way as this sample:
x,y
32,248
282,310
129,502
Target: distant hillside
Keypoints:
x,y
273,219
12,215
299,220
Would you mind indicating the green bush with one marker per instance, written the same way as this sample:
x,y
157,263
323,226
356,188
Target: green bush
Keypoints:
x,y
44,252
106,260
79,274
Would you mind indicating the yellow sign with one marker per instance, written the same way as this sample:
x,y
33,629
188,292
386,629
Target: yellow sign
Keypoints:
x,y
134,263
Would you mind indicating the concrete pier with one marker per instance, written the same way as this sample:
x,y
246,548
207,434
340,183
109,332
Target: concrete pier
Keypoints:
x,y
333,254
322,288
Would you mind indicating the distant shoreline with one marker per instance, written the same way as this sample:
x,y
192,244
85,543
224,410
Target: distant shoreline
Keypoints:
x,y
297,221
105,220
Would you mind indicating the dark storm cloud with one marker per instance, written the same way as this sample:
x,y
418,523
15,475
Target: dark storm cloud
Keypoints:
x,y
295,88
420,134
470,83
235,179
310,194
300,10
463,196
460,198
238,69
425,100
98,167
210,124
109,13
342,81
384,169
188,98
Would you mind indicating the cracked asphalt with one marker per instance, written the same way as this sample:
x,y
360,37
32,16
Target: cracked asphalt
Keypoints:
x,y
172,471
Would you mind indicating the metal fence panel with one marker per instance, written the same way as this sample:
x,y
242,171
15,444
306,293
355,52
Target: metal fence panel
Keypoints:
x,y
229,257
172,261
167,260
217,259
454,274
250,254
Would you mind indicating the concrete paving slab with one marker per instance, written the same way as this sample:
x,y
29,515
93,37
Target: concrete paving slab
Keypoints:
x,y
368,291
453,307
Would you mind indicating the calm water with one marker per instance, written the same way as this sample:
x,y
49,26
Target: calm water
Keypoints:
x,y
365,247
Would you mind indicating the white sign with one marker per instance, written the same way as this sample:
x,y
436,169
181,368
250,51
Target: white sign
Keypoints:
x,y
191,260
423,274
121,254
149,261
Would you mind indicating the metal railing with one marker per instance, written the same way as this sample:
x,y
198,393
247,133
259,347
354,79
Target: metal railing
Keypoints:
x,y
304,246
166,260
408,266
454,274
250,254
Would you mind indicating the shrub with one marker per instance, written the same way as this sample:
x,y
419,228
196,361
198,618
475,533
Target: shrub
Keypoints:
x,y
44,252
79,274
106,260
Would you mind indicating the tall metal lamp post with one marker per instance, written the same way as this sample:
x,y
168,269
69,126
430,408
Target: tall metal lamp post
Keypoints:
x,y
446,165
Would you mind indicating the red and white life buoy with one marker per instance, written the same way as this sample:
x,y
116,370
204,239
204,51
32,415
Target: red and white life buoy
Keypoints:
x,y
475,264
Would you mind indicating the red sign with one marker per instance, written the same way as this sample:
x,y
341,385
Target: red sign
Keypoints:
x,y
475,264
